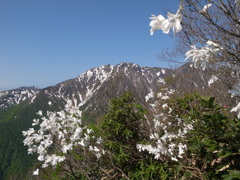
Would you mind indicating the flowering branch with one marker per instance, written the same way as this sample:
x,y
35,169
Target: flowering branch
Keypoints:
x,y
59,133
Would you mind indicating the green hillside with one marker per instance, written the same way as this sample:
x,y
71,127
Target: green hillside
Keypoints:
x,y
14,160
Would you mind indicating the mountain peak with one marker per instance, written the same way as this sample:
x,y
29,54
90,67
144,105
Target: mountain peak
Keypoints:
x,y
96,86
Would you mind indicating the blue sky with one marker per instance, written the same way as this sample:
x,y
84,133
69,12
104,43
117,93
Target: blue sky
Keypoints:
x,y
45,42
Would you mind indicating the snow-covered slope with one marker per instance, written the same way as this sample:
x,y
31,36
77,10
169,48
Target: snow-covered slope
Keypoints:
x,y
93,89
96,86
16,96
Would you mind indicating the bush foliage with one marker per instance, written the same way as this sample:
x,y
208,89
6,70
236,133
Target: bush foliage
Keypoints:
x,y
212,144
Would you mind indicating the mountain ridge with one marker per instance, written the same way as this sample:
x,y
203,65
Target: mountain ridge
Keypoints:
x,y
16,96
109,81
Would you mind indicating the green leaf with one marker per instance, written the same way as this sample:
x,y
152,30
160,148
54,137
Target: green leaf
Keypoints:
x,y
227,177
210,102
207,142
232,123
212,146
234,173
186,175
226,155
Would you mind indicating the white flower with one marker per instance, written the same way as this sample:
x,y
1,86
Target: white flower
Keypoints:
x,y
60,135
157,156
203,56
189,126
181,149
28,141
76,134
40,113
49,103
156,123
211,43
41,150
82,143
236,109
156,23
154,136
139,147
213,47
89,131
98,155
174,159
41,158
35,122
205,8
197,56
173,21
236,92
165,97
54,159
48,143
29,132
62,114
44,165
164,106
67,147
32,149
99,140
94,148
35,173
90,148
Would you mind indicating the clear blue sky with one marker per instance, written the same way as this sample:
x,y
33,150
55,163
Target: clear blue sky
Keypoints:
x,y
45,42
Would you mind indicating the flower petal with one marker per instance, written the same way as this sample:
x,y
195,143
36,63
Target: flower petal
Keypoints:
x,y
178,26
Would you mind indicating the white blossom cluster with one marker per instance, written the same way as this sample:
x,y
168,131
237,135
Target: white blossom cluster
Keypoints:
x,y
173,21
168,133
58,134
165,144
202,57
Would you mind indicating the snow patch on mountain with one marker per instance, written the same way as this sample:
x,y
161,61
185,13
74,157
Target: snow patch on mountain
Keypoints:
x,y
161,81
13,97
212,80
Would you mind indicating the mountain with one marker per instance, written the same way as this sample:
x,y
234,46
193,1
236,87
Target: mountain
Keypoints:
x,y
16,96
97,85
91,90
